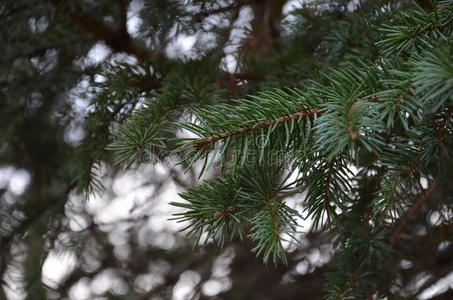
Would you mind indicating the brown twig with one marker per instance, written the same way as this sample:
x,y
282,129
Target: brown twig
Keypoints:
x,y
202,142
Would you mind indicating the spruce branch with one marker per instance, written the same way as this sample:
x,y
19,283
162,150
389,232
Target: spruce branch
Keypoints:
x,y
255,209
328,187
256,125
380,115
413,31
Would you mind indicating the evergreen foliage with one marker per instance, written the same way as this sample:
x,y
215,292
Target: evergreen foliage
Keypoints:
x,y
389,119
338,114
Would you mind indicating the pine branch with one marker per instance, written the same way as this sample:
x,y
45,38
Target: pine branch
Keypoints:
x,y
255,207
412,31
262,123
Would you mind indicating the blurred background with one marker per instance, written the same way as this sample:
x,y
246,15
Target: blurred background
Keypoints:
x,y
75,226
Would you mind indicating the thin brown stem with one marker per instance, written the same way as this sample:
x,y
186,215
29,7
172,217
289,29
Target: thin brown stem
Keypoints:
x,y
202,142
